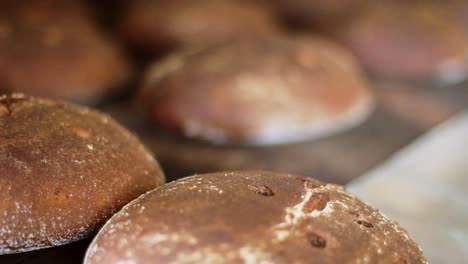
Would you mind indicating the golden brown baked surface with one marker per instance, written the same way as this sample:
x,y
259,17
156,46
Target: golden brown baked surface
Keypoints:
x,y
260,90
162,25
54,49
250,217
64,170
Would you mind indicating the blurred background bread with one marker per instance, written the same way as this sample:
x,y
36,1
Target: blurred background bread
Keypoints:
x,y
407,40
159,25
55,49
314,15
259,90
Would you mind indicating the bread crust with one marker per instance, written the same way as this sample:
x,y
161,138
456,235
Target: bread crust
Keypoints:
x,y
159,25
251,217
408,40
54,49
64,170
315,14
260,90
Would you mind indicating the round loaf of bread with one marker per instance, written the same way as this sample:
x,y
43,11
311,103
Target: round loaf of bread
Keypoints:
x,y
261,90
408,40
54,49
64,170
160,25
251,217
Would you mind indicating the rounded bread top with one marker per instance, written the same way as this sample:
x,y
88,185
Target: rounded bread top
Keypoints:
x,y
251,217
259,90
64,170
55,49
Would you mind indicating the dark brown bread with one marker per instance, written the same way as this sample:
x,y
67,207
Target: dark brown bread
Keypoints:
x,y
54,49
159,25
457,9
259,90
316,13
408,39
64,170
251,217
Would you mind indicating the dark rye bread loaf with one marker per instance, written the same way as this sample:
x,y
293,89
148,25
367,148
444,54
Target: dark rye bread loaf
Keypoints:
x,y
161,25
54,49
64,170
259,90
251,217
317,13
408,40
